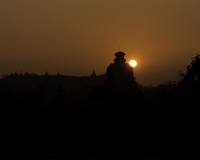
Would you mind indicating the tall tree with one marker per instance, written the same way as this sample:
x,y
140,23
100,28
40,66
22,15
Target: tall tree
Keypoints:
x,y
191,80
190,85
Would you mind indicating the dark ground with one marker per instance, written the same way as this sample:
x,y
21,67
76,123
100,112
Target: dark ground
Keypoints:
x,y
96,132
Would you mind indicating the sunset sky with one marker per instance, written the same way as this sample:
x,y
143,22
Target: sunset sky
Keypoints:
x,y
77,36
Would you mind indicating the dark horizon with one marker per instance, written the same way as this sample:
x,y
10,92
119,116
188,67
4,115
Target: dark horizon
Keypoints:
x,y
159,82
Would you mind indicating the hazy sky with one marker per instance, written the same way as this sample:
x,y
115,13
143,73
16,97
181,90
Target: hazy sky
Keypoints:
x,y
75,36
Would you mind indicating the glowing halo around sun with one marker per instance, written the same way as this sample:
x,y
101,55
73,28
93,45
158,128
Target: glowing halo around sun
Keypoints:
x,y
133,63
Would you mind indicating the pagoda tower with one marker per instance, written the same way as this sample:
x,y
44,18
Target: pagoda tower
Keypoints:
x,y
120,79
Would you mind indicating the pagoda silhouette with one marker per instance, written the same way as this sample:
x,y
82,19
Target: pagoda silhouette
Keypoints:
x,y
120,78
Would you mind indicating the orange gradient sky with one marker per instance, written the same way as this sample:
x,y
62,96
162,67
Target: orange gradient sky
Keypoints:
x,y
75,36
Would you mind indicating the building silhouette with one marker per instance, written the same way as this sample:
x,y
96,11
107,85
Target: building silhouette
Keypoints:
x,y
58,74
120,79
93,74
46,74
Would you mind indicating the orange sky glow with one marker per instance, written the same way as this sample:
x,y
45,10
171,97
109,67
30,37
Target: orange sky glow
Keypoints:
x,y
75,36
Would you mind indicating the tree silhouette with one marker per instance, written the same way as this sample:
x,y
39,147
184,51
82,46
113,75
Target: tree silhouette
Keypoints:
x,y
190,86
191,80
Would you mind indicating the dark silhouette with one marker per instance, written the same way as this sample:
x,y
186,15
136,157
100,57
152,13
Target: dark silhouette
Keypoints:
x,y
93,74
190,82
60,99
106,116
120,78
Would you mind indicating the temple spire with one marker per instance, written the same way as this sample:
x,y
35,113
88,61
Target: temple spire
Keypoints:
x,y
46,74
58,73
93,74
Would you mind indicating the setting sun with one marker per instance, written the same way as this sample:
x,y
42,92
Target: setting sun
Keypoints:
x,y
133,63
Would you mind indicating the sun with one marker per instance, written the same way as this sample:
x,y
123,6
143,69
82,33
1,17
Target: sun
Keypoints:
x,y
133,63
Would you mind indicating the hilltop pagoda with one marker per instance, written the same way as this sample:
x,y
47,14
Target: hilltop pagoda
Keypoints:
x,y
120,79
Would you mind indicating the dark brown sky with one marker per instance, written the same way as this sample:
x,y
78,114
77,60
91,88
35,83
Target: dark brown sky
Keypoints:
x,y
75,36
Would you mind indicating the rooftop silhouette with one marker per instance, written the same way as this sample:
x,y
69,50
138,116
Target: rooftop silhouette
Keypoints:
x,y
120,78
